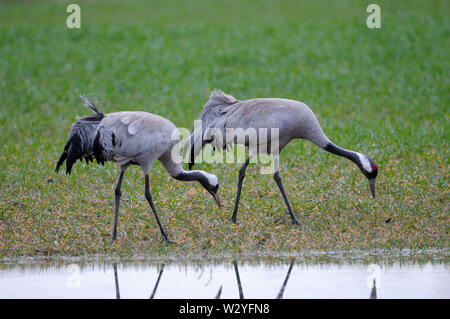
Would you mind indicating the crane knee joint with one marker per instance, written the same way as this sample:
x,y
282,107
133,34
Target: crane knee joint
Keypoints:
x,y
242,172
277,177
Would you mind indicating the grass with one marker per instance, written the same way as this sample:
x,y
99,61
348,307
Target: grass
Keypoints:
x,y
382,92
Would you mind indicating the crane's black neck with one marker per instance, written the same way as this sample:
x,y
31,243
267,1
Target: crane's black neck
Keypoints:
x,y
364,163
330,147
199,177
190,176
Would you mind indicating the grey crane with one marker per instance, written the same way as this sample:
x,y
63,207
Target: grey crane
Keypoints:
x,y
128,138
292,120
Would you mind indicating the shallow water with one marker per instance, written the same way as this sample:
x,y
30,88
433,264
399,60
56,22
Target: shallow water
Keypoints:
x,y
288,279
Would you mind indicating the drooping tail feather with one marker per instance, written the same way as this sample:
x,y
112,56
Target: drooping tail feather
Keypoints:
x,y
61,160
72,151
81,138
90,105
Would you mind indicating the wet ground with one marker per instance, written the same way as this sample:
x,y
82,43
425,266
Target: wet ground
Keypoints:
x,y
287,278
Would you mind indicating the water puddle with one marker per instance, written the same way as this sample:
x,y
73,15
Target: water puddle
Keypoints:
x,y
287,279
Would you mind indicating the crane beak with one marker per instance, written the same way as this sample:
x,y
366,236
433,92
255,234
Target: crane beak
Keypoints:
x,y
372,186
217,199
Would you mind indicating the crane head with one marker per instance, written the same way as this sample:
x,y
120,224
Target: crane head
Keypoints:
x,y
369,169
211,184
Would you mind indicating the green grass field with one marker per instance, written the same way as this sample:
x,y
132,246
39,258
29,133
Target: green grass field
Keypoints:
x,y
383,92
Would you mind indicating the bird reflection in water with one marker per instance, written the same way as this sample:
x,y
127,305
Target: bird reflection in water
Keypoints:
x,y
280,293
373,293
116,280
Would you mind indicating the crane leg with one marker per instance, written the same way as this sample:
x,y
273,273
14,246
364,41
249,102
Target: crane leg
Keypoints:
x,y
148,196
240,181
116,281
277,179
238,279
118,193
280,293
157,281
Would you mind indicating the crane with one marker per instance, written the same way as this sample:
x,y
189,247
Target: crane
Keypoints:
x,y
224,120
130,138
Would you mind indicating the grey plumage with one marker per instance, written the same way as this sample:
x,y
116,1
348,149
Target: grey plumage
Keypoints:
x,y
216,107
130,138
292,119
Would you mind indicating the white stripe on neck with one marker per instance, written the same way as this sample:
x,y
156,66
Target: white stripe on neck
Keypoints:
x,y
212,179
364,162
